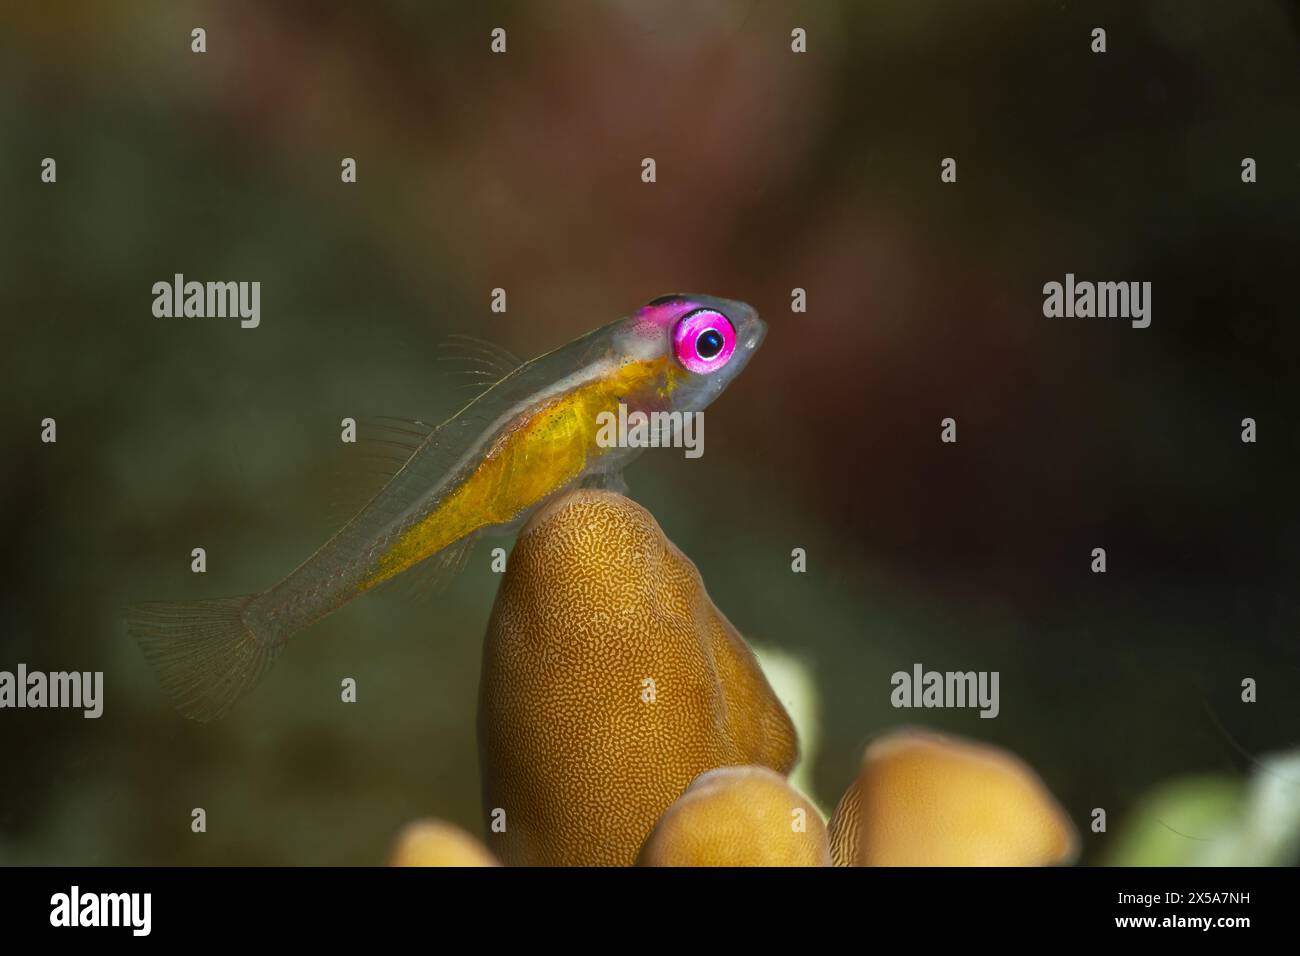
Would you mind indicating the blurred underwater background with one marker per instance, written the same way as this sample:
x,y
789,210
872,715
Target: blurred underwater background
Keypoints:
x,y
775,171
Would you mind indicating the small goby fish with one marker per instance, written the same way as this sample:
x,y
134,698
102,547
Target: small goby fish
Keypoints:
x,y
526,438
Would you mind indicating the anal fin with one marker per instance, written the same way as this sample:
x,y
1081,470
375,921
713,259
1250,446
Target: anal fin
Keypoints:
x,y
434,574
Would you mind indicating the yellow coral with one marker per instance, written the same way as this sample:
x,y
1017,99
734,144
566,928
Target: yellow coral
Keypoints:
x,y
739,816
435,843
922,799
609,682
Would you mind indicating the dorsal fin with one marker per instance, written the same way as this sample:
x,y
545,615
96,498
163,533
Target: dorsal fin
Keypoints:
x,y
384,443
477,362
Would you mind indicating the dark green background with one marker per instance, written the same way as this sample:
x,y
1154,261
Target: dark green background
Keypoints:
x,y
522,171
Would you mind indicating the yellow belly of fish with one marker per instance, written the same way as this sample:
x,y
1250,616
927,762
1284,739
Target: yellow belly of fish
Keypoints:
x,y
535,458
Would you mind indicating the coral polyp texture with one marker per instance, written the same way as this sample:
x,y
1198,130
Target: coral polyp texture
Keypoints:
x,y
739,816
610,681
922,799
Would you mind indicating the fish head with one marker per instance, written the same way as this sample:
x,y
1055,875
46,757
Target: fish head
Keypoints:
x,y
704,341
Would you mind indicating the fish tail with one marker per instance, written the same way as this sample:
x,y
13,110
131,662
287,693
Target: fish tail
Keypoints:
x,y
206,654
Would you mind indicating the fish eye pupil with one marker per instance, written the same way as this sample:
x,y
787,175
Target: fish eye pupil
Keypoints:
x,y
709,343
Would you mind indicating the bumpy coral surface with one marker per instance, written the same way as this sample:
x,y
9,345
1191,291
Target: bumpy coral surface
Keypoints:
x,y
610,681
739,816
922,799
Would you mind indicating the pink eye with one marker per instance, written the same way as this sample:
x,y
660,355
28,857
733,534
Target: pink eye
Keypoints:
x,y
703,341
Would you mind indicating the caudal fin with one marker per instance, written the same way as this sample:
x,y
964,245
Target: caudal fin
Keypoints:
x,y
205,655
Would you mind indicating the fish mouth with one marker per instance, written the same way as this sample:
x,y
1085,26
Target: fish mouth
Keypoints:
x,y
756,335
